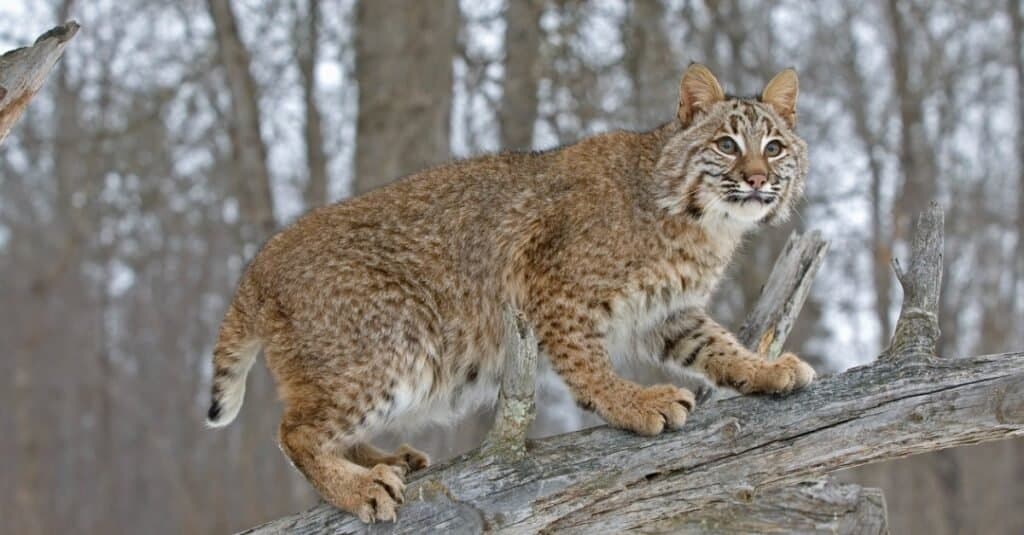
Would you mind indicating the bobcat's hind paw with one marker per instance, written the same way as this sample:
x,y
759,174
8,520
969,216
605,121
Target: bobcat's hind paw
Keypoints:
x,y
411,458
377,494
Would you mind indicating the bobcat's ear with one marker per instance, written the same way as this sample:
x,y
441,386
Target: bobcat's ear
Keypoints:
x,y
781,93
698,90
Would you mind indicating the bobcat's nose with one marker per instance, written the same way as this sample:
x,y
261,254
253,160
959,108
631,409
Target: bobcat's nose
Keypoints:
x,y
757,181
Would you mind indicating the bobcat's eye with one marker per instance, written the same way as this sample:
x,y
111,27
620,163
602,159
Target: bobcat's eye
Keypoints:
x,y
774,148
727,145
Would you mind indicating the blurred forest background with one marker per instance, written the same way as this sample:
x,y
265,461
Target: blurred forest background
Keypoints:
x,y
175,136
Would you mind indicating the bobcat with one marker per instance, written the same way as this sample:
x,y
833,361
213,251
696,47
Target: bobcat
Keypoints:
x,y
385,311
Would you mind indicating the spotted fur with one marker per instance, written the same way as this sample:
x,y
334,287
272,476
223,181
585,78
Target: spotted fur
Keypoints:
x,y
384,311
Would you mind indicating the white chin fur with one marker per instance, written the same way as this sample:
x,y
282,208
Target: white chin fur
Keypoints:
x,y
747,212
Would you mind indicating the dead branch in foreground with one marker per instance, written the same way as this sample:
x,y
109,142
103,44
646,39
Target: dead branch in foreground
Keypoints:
x,y
23,71
734,453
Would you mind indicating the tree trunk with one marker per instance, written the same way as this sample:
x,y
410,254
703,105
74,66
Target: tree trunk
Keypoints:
x,y
881,241
917,161
518,111
255,461
1014,9
404,53
307,52
252,178
651,64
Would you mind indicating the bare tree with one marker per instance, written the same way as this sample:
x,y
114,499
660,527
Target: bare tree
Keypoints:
x,y
871,141
650,62
255,460
22,74
917,161
307,53
1014,10
404,54
252,177
522,73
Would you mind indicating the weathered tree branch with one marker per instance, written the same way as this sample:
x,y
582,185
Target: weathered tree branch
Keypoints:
x,y
823,506
603,480
23,71
769,323
515,412
917,330
849,508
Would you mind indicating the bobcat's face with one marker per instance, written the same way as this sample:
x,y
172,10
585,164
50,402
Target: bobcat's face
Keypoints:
x,y
748,164
734,158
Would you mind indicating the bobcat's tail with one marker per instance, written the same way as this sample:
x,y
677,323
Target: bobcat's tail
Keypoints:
x,y
233,356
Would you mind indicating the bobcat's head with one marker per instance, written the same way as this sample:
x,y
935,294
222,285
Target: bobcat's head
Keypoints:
x,y
733,158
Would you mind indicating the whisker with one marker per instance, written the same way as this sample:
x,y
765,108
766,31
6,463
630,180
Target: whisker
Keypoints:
x,y
716,200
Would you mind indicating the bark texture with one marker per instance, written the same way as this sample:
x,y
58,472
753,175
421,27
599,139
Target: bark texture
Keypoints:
x,y
602,480
23,71
820,506
917,331
823,506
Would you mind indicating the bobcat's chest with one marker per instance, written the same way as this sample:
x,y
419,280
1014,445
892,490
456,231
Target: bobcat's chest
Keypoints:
x,y
643,308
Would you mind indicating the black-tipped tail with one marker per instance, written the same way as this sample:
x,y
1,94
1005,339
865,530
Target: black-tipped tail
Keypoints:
x,y
231,365
214,412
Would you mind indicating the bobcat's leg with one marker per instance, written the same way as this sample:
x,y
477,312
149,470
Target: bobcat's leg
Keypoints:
x,y
577,353
311,439
692,339
406,457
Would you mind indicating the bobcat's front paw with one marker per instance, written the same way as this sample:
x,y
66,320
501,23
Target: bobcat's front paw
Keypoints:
x,y
648,411
783,375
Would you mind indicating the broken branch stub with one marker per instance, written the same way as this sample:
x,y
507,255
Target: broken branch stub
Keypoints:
x,y
917,330
783,295
23,71
516,409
